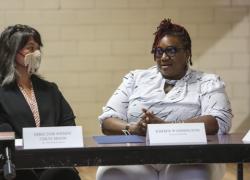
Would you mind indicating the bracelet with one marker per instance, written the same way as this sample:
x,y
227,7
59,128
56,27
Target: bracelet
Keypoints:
x,y
126,130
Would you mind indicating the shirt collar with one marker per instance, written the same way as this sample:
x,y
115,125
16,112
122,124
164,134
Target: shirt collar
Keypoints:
x,y
186,77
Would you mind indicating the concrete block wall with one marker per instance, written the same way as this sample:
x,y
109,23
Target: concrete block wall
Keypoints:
x,y
89,45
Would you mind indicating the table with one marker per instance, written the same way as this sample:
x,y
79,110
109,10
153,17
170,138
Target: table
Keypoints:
x,y
219,149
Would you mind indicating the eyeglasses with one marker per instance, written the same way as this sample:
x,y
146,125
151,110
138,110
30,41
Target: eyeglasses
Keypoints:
x,y
170,51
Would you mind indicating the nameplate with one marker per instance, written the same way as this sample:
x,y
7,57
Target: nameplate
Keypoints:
x,y
173,134
246,138
52,137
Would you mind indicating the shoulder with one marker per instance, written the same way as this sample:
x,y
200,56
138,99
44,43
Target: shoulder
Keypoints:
x,y
208,82
8,88
44,84
142,73
202,76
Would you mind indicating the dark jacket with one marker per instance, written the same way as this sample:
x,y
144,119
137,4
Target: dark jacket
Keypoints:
x,y
15,111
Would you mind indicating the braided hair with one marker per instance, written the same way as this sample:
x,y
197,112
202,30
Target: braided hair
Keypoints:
x,y
166,27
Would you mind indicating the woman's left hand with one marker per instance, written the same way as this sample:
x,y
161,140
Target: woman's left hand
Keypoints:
x,y
149,118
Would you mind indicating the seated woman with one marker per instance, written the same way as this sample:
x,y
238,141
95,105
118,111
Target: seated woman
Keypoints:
x,y
170,92
26,99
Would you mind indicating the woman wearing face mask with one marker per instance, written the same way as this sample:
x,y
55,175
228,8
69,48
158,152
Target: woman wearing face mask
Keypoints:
x,y
27,100
169,92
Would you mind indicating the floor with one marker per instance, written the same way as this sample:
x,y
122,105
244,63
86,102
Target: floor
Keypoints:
x,y
88,173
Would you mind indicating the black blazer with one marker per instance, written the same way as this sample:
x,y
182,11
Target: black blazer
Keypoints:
x,y
15,111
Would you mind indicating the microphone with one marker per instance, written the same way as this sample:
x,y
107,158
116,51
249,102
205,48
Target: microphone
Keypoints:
x,y
9,171
7,139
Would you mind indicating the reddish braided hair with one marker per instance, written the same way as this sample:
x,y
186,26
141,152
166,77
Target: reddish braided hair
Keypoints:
x,y
166,27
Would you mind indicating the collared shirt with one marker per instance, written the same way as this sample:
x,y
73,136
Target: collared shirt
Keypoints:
x,y
196,94
32,104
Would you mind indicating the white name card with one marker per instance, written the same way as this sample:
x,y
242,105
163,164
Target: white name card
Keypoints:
x,y
179,133
246,138
52,137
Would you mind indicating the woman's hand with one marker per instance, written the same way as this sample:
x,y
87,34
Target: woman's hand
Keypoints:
x,y
135,128
148,118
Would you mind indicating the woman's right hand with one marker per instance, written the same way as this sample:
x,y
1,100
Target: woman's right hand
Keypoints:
x,y
137,129
115,126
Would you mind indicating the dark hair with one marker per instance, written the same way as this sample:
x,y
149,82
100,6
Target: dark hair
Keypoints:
x,y
12,39
166,27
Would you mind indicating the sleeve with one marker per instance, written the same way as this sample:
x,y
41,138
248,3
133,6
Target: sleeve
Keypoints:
x,y
4,118
117,105
67,117
214,101
4,125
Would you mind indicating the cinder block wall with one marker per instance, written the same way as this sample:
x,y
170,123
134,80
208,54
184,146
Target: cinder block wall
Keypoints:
x,y
90,44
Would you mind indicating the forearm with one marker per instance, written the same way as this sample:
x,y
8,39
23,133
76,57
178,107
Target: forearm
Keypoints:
x,y
113,126
211,124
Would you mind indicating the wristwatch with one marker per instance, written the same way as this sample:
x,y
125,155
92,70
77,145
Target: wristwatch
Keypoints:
x,y
127,126
126,130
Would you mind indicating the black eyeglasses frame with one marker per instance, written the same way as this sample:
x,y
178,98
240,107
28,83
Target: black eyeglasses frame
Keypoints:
x,y
170,51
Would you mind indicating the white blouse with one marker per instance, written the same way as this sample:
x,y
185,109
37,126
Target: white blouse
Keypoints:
x,y
196,94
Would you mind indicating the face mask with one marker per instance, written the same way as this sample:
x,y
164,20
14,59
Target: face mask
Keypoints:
x,y
33,60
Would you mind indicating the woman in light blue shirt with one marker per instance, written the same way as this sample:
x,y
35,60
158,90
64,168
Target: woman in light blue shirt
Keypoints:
x,y
170,92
